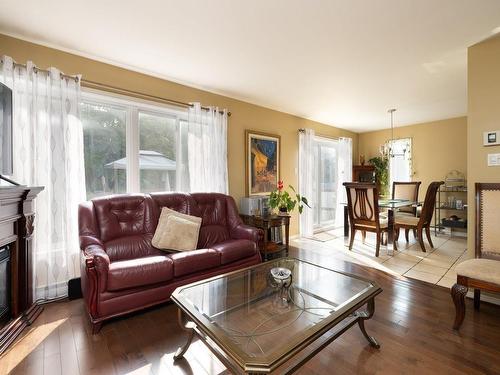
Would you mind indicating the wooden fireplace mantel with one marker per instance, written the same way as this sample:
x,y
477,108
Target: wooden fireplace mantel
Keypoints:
x,y
17,213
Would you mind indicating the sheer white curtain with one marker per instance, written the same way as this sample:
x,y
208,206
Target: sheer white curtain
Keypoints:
x,y
306,179
344,175
207,149
48,151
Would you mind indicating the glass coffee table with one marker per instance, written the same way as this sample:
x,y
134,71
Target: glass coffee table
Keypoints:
x,y
275,316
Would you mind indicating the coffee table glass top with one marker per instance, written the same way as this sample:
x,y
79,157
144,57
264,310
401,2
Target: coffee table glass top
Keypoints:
x,y
259,318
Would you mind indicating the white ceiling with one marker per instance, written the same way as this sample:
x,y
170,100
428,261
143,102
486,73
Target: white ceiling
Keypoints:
x,y
340,62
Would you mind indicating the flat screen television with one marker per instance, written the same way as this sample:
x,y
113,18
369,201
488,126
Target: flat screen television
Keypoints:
x,y
6,167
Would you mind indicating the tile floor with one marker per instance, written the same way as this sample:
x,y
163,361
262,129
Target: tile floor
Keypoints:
x,y
436,266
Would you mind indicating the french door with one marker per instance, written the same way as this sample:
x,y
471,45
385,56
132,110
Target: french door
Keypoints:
x,y
325,182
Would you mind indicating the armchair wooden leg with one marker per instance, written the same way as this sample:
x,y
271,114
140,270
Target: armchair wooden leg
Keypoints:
x,y
458,293
477,298
351,241
415,233
421,239
428,235
407,235
377,250
363,235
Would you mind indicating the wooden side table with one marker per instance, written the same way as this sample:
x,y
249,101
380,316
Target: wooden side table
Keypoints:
x,y
269,248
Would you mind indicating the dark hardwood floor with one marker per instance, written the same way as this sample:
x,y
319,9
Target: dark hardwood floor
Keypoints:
x,y
412,322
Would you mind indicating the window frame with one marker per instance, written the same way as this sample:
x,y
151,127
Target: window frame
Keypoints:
x,y
132,107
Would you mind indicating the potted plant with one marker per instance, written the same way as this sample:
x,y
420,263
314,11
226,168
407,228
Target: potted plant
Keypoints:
x,y
286,202
381,164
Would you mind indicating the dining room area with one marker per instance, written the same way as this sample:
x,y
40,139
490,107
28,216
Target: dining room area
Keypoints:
x,y
396,209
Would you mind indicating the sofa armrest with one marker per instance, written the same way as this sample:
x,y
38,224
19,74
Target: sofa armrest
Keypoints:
x,y
94,273
247,232
95,256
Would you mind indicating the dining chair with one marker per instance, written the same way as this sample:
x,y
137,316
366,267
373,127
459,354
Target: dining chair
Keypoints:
x,y
422,222
483,272
363,211
407,191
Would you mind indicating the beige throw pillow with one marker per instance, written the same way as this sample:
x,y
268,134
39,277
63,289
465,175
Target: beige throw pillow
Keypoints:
x,y
176,231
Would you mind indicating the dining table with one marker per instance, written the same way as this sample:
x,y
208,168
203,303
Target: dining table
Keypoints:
x,y
391,205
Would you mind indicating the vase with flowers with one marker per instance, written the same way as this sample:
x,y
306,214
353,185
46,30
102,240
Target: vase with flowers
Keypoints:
x,y
286,201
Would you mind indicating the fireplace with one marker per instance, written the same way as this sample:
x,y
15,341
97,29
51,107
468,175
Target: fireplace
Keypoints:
x,y
4,285
17,308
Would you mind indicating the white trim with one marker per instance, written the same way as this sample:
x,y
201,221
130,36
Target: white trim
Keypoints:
x,y
132,145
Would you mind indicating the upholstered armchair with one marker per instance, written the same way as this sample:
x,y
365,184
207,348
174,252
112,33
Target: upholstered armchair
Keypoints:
x,y
363,210
483,272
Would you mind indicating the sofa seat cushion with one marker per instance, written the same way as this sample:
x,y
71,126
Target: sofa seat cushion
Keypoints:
x,y
188,262
139,272
233,250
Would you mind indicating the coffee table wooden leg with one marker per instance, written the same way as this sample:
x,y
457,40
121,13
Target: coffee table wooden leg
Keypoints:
x,y
187,326
365,315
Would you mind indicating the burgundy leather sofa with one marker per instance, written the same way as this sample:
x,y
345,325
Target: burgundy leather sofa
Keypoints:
x,y
122,272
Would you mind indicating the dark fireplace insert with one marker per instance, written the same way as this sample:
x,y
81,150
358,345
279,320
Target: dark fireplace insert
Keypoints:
x,y
4,285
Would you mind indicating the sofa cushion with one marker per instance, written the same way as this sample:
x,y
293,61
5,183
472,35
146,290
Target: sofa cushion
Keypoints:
x,y
124,215
130,247
173,232
179,234
233,250
211,235
138,272
189,262
179,202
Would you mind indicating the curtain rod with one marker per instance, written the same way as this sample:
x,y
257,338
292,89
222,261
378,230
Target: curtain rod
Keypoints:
x,y
116,90
139,95
302,130
36,69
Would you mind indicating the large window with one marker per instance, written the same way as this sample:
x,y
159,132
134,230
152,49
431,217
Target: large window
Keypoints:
x,y
132,146
104,134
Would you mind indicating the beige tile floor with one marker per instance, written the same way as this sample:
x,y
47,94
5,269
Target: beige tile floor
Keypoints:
x,y
436,266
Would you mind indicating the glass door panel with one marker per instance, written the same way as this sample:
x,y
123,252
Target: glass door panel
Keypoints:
x,y
325,186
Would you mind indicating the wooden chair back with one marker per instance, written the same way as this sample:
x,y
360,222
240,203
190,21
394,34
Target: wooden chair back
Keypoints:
x,y
487,219
406,190
362,204
429,203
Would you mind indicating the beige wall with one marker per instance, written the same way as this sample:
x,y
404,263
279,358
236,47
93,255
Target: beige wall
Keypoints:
x,y
244,115
438,147
483,82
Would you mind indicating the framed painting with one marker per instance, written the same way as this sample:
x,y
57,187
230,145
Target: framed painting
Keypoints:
x,y
263,154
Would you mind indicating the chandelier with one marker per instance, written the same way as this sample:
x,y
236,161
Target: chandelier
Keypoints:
x,y
389,149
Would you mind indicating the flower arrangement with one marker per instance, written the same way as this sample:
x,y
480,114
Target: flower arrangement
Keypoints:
x,y
285,201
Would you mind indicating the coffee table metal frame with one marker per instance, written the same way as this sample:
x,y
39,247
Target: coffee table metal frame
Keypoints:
x,y
296,356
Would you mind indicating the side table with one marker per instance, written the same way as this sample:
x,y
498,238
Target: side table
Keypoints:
x,y
270,249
